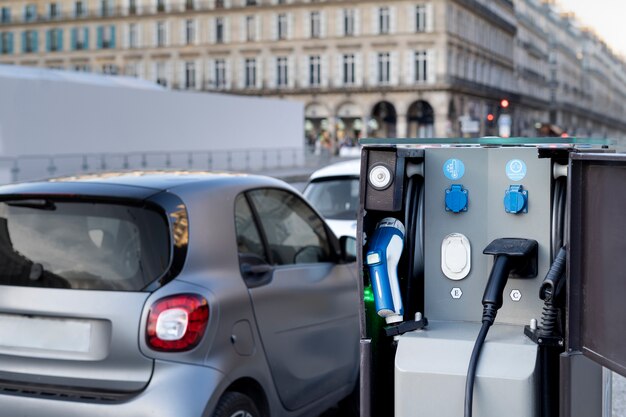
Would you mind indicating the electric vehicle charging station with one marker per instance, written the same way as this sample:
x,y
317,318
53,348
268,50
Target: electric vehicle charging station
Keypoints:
x,y
467,304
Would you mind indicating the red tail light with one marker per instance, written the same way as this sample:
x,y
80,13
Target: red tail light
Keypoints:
x,y
177,323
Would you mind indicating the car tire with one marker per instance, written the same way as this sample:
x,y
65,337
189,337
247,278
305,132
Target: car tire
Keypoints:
x,y
236,404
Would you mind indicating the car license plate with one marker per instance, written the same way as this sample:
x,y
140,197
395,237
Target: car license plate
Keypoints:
x,y
43,333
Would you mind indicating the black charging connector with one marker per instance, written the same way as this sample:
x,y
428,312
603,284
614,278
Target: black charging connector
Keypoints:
x,y
518,256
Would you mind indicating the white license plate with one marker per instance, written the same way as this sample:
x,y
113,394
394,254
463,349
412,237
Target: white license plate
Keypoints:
x,y
42,333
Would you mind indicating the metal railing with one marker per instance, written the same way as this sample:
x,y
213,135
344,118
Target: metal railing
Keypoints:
x,y
264,161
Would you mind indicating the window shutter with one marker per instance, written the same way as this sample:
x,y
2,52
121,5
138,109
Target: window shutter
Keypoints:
x,y
324,70
259,72
306,17
409,67
99,41
86,39
211,28
358,69
338,70
227,70
322,24
112,36
226,29
291,71
60,39
241,73
395,68
393,20
339,23
373,68
431,66
48,40
275,27
411,15
271,73
290,22
430,17
304,71
73,37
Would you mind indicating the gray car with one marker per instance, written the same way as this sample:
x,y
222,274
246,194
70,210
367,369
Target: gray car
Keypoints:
x,y
172,294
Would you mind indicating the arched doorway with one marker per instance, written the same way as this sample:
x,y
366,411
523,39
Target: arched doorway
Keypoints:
x,y
383,121
349,125
315,124
421,120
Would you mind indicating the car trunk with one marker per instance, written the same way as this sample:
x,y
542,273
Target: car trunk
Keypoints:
x,y
72,290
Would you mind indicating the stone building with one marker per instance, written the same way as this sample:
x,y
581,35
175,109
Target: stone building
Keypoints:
x,y
416,68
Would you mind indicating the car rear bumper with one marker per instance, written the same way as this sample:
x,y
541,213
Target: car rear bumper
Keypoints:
x,y
176,389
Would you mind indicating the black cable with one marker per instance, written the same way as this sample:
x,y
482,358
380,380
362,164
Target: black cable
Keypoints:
x,y
471,370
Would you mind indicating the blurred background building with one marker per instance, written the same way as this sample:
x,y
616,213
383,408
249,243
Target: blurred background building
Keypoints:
x,y
436,68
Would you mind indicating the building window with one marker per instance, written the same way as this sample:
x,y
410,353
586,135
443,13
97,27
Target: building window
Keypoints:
x,y
219,30
421,66
420,18
29,41
132,70
219,4
282,72
132,36
132,6
384,67
315,71
190,32
348,22
250,72
251,3
5,15
161,78
250,28
79,38
30,12
316,25
54,40
348,69
220,73
160,6
81,68
106,8
281,1
383,20
106,37
282,26
6,43
189,5
160,34
79,9
190,75
53,11
110,69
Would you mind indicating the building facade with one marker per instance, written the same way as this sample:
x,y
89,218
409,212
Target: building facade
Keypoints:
x,y
403,68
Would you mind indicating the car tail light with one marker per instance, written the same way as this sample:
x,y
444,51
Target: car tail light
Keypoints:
x,y
177,323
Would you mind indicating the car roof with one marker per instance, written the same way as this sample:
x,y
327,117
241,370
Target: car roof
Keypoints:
x,y
339,169
130,184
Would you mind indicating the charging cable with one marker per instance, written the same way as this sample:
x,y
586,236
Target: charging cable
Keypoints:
x,y
509,254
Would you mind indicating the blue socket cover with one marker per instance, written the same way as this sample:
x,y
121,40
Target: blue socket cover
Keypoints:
x,y
516,199
456,198
385,248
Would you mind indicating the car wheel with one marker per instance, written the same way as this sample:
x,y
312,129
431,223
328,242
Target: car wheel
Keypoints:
x,y
236,404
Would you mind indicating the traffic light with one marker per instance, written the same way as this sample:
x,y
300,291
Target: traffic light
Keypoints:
x,y
504,103
491,118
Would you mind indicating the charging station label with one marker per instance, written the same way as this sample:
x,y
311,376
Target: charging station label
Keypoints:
x,y
516,169
454,169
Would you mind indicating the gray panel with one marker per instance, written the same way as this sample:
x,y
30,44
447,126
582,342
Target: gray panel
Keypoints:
x,y
485,220
431,369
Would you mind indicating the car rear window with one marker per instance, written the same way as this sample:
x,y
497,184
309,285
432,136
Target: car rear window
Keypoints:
x,y
80,245
336,199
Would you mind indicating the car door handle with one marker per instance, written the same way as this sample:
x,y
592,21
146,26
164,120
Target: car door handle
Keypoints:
x,y
256,269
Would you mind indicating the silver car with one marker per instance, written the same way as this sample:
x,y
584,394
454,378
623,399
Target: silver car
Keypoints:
x,y
172,294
